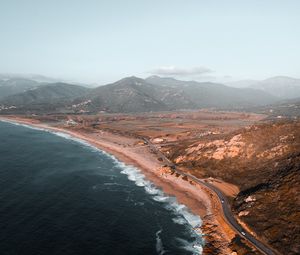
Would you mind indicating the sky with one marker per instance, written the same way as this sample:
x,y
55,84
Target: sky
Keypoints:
x,y
99,41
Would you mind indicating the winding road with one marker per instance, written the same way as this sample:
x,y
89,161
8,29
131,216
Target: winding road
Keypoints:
x,y
228,215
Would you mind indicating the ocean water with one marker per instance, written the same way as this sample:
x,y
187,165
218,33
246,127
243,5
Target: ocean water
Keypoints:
x,y
59,195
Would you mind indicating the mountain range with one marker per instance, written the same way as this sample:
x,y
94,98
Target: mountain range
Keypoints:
x,y
215,95
282,87
134,94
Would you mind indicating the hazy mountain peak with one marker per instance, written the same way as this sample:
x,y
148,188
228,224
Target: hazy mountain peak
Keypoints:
x,y
153,77
282,79
281,86
33,77
129,81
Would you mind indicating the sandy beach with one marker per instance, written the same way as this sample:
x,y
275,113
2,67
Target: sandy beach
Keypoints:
x,y
132,151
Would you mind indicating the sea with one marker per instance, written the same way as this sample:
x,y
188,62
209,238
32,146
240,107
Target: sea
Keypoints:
x,y
60,195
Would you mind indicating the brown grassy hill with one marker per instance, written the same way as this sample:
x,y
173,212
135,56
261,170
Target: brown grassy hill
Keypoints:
x,y
264,161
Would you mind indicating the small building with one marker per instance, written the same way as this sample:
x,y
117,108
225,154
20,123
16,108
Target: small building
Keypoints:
x,y
71,122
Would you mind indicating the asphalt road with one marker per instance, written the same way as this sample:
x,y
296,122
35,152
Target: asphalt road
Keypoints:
x,y
229,217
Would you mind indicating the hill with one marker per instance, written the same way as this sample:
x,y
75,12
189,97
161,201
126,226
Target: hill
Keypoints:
x,y
288,109
16,85
133,94
43,98
208,94
263,161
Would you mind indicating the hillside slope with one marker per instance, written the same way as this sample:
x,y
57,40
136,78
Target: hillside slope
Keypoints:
x,y
208,94
47,97
133,94
13,86
264,162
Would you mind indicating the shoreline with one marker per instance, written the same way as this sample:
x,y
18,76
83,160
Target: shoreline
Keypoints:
x,y
131,151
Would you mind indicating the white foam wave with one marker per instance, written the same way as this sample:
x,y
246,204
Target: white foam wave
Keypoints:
x,y
135,175
152,190
57,133
161,198
179,220
183,215
23,125
159,244
75,139
196,248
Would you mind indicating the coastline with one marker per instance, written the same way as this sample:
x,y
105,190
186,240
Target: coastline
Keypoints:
x,y
132,151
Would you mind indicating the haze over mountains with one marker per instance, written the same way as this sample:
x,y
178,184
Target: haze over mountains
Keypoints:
x,y
16,85
134,94
33,77
53,93
282,87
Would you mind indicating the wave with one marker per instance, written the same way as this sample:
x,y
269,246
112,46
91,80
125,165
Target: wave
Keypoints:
x,y
183,215
135,175
159,245
196,248
23,125
57,133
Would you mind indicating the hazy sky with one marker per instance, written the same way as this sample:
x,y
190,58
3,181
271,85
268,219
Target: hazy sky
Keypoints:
x,y
101,41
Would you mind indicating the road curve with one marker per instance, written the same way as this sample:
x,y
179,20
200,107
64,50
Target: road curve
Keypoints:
x,y
223,200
